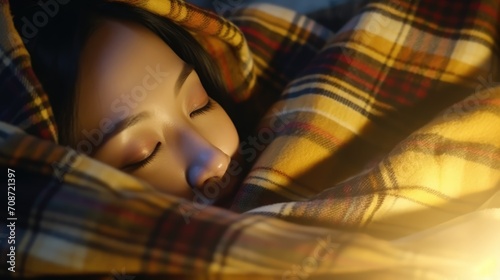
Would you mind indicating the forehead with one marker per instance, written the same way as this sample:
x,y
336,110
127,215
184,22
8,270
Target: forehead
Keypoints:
x,y
117,57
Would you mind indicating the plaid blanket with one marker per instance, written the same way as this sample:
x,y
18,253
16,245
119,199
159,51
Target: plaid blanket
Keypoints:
x,y
367,135
379,159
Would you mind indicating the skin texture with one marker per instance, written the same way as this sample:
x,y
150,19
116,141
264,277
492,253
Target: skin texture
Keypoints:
x,y
126,70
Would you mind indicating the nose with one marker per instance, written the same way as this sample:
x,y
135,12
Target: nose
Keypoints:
x,y
206,162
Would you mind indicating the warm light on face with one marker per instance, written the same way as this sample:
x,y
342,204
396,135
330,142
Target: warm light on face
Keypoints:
x,y
144,110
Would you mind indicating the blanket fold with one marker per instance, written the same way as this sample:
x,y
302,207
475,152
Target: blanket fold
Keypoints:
x,y
378,102
378,156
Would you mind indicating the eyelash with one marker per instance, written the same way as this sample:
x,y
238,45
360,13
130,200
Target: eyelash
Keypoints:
x,y
209,106
141,164
144,162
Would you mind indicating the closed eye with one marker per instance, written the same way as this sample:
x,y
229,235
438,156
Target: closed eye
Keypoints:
x,y
209,106
143,163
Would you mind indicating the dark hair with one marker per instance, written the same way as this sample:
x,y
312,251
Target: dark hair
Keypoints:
x,y
56,50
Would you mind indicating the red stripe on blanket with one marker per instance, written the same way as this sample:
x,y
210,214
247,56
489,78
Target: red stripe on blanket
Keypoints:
x,y
453,149
256,47
343,72
313,129
482,7
258,35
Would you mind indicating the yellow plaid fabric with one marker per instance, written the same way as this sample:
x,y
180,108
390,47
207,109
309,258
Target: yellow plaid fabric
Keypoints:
x,y
368,135
379,158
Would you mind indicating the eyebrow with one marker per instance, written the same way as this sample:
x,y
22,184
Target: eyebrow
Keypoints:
x,y
186,70
134,119
120,126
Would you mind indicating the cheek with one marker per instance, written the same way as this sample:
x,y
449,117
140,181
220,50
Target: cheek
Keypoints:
x,y
230,138
218,128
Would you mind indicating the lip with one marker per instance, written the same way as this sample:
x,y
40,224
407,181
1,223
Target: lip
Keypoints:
x,y
227,193
221,191
210,189
214,181
216,188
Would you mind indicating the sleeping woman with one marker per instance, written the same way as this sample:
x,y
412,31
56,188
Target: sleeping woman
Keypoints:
x,y
364,146
138,92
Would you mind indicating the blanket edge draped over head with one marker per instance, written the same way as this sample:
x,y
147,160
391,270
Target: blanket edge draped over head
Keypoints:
x,y
380,160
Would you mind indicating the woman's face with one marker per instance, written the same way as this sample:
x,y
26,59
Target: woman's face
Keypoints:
x,y
143,110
